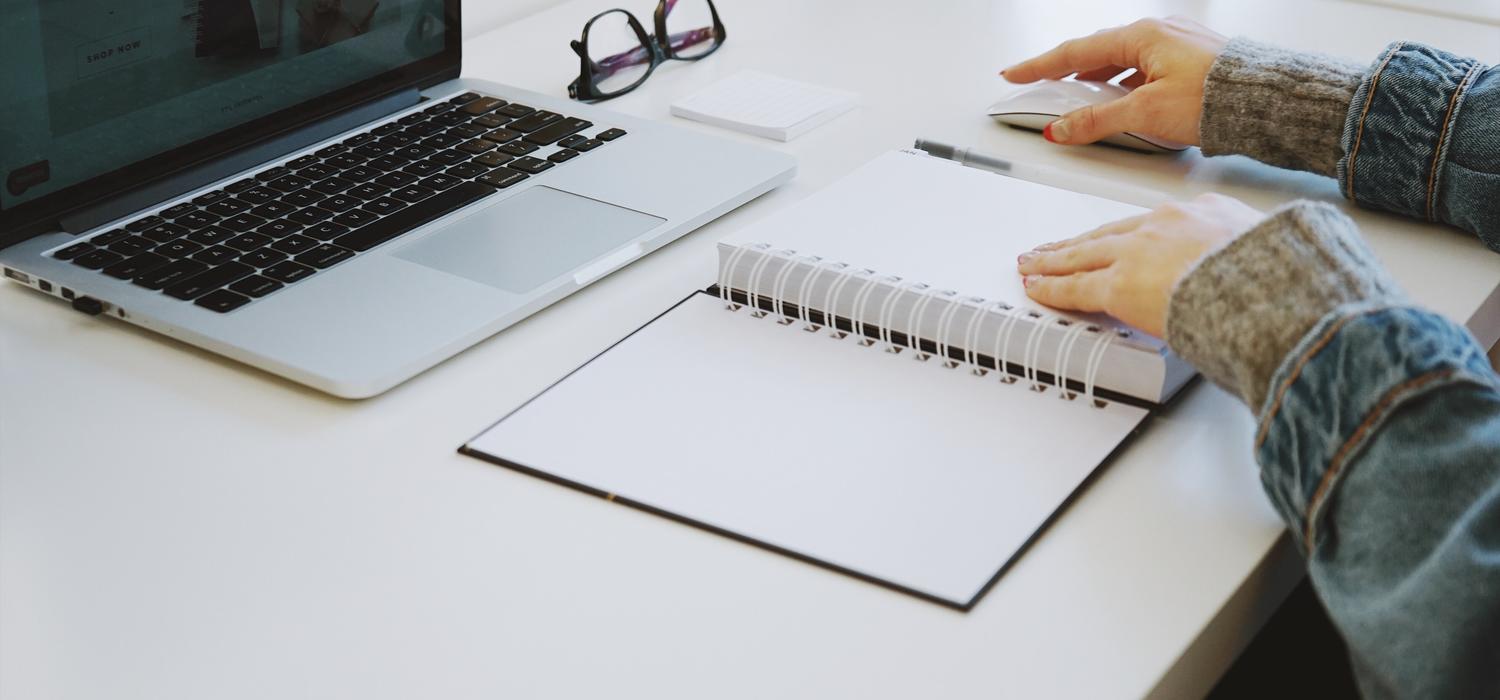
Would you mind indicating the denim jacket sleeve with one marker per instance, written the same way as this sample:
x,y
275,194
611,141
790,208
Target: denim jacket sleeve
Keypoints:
x,y
1378,442
1422,138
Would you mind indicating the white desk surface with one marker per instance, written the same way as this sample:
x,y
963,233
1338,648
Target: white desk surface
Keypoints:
x,y
173,525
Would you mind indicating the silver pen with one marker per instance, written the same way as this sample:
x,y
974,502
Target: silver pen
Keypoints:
x,y
1085,184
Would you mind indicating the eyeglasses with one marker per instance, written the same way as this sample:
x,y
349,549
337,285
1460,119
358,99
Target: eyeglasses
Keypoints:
x,y
617,55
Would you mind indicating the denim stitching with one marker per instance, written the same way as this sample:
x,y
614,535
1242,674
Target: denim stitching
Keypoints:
x,y
1365,112
1437,151
1314,349
1336,465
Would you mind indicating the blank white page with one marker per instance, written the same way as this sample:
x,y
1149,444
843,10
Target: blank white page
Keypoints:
x,y
920,477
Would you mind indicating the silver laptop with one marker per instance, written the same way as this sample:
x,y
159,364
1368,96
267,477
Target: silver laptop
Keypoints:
x,y
323,197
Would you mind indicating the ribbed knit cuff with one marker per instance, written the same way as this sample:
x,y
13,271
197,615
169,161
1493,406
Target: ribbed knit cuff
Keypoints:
x,y
1242,308
1278,106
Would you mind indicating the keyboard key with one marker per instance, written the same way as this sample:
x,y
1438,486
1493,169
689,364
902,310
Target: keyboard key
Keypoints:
x,y
248,241
239,186
610,134
535,121
503,135
557,130
464,99
177,249
518,148
303,198
211,235
468,171
587,145
415,151
186,207
316,171
289,183
227,207
423,130
332,151
288,272
476,147
259,195
515,110
327,230
357,140
207,281
440,182
530,165
385,129
222,301
442,141
368,191
384,206
272,210
292,245
343,161
491,121
73,251
468,131
338,203
504,178
332,185
208,198
142,224
360,173
563,156
164,232
572,141
413,118
262,257
355,218
411,217
449,157
170,273
303,162
109,237
216,255
275,173
396,179
242,223
135,265
279,228
398,140
97,259
324,256
371,150
413,193
310,215
197,219
131,246
482,105
422,168
451,119
493,159
255,286
387,163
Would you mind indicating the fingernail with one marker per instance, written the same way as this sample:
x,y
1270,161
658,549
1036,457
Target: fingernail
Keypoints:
x,y
1056,132
1023,257
1030,280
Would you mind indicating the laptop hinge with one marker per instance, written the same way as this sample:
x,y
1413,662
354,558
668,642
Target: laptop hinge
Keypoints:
x,y
193,178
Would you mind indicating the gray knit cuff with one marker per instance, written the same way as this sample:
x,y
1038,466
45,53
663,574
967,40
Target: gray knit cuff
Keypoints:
x,y
1277,106
1238,313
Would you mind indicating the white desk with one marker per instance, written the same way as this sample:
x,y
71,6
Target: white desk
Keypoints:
x,y
176,526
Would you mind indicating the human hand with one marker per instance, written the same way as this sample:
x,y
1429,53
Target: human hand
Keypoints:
x,y
1171,57
1128,268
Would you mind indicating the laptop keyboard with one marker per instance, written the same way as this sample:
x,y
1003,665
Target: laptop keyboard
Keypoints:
x,y
277,227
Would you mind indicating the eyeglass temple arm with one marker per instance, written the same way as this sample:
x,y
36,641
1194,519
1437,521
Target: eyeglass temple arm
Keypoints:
x,y
610,65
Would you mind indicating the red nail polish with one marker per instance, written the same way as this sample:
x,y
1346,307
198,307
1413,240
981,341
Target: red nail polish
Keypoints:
x,y
1047,133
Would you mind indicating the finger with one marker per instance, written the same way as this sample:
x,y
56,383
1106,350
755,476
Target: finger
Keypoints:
x,y
1134,80
1084,291
1095,122
1112,228
1084,257
1104,74
1106,48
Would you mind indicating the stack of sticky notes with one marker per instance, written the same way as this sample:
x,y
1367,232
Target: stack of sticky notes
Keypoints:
x,y
765,105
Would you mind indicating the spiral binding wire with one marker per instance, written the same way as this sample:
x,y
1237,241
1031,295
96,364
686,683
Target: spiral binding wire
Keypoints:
x,y
844,278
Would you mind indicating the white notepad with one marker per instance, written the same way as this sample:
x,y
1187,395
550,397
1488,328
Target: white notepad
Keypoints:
x,y
906,473
865,387
764,105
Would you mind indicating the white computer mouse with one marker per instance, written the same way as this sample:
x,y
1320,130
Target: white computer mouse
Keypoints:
x,y
1036,105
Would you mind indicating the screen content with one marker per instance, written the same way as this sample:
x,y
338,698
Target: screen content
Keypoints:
x,y
91,86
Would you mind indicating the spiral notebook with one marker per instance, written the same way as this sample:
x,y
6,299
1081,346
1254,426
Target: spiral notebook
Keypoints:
x,y
864,388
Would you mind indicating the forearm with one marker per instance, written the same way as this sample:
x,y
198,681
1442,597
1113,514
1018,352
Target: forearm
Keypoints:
x,y
1379,431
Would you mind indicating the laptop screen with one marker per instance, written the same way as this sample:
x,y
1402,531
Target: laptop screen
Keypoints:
x,y
93,86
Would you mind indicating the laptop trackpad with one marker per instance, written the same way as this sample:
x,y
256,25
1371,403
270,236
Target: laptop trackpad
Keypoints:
x,y
529,239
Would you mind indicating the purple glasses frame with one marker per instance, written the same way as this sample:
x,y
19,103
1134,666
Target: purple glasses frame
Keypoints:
x,y
655,49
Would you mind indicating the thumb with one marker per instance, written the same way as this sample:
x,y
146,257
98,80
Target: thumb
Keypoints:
x,y
1095,122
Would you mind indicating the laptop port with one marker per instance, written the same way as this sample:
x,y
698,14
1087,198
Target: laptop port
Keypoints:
x,y
67,293
44,285
18,276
